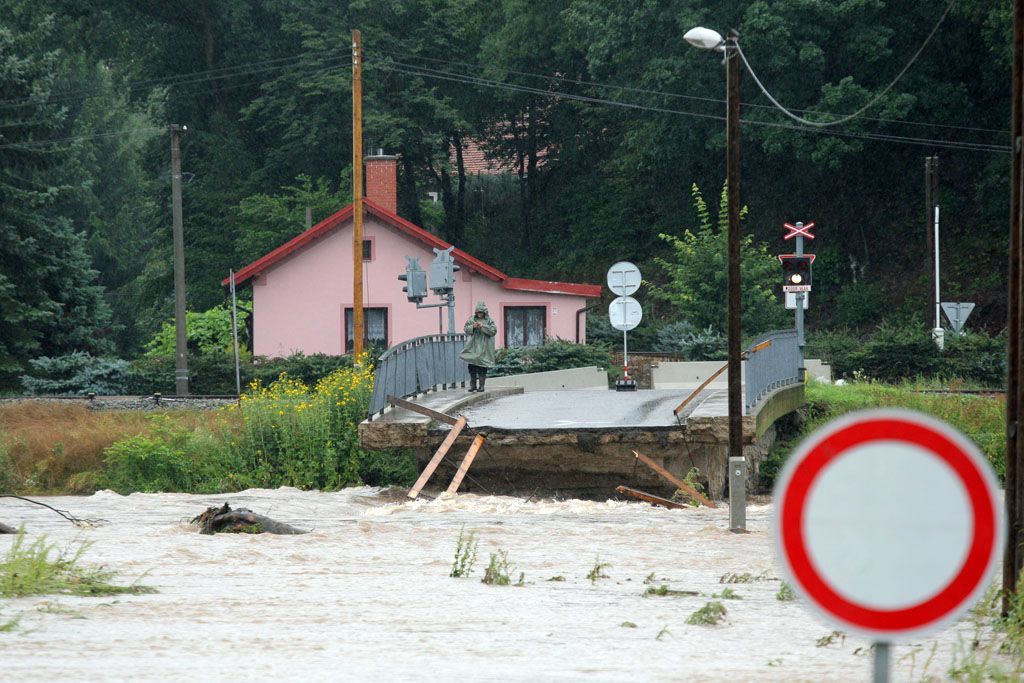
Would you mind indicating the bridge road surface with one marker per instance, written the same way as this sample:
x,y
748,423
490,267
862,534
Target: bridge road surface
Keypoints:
x,y
591,409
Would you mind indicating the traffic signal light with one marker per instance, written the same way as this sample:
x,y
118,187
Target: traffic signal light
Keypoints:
x,y
796,272
442,271
416,280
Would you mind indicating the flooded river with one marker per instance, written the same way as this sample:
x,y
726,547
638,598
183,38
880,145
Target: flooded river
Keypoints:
x,y
367,595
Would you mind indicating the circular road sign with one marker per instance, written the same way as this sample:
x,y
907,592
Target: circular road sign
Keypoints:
x,y
625,313
888,523
623,278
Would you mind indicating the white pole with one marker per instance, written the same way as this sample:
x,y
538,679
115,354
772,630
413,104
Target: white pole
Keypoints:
x,y
234,332
938,306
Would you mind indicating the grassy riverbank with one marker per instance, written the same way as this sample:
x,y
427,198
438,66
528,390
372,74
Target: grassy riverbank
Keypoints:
x,y
285,434
982,418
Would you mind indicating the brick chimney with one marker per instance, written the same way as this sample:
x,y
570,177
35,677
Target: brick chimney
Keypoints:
x,y
382,180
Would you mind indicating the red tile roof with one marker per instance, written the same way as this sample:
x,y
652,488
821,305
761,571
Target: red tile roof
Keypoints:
x,y
462,258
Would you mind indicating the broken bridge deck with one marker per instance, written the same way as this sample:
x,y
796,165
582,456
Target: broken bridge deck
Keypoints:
x,y
580,442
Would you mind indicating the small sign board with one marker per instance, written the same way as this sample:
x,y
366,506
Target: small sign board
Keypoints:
x,y
888,523
791,300
796,288
624,278
957,313
625,313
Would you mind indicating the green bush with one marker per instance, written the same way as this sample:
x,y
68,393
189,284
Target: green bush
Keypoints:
x,y
551,355
835,347
694,344
897,353
75,374
976,358
214,373
175,459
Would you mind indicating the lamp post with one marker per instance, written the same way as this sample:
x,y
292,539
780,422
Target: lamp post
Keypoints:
x,y
708,39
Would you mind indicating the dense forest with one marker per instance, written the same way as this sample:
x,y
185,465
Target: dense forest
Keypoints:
x,y
610,125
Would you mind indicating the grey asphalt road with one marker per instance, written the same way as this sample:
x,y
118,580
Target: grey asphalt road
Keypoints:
x,y
581,409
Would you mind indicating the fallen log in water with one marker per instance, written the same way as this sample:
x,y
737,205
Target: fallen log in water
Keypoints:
x,y
4,529
240,521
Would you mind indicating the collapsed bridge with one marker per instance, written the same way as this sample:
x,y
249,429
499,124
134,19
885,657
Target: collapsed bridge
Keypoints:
x,y
564,432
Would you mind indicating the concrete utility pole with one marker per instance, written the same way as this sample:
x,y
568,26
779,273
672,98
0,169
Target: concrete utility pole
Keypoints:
x,y
357,193
180,335
732,163
1014,556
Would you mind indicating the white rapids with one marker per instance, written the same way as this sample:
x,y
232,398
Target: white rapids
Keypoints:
x,y
367,595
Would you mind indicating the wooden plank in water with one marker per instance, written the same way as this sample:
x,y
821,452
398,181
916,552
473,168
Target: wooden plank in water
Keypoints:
x,y
674,480
650,498
417,408
442,450
466,462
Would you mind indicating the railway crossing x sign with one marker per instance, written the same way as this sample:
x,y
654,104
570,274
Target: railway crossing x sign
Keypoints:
x,y
800,229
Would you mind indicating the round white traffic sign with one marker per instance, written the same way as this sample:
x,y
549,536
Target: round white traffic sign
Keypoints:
x,y
624,278
625,313
888,523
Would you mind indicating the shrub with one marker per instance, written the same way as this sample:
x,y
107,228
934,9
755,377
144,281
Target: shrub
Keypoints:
x,y
835,347
75,374
551,355
214,373
295,435
209,331
171,457
694,344
976,358
896,353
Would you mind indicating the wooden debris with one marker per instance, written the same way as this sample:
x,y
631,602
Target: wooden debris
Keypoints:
x,y
650,498
674,480
240,521
4,529
442,450
466,462
422,410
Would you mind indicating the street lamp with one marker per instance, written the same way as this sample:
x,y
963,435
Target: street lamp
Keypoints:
x,y
707,39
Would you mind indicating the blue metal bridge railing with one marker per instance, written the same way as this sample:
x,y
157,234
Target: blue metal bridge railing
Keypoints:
x,y
773,366
418,365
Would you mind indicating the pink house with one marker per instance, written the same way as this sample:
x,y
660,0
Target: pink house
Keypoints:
x,y
302,291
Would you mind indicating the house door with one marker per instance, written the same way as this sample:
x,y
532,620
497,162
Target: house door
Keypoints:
x,y
524,325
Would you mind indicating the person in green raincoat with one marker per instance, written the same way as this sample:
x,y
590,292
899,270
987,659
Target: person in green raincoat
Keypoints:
x,y
479,349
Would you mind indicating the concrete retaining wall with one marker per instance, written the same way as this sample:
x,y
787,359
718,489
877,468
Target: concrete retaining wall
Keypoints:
x,y
686,374
573,378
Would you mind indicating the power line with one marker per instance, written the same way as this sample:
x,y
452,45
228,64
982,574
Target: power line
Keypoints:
x,y
875,99
42,143
645,91
482,82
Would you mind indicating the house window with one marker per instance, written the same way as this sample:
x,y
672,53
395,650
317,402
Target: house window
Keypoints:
x,y
375,328
367,250
524,325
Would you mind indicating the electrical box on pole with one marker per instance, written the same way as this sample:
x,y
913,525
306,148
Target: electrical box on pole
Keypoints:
x,y
416,280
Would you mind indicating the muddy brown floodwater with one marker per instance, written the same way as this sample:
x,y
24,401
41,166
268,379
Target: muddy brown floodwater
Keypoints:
x,y
367,596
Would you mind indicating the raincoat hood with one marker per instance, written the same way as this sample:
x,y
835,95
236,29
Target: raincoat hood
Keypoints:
x,y
481,306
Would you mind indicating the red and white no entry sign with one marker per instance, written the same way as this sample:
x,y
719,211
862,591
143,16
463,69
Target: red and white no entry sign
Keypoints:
x,y
888,522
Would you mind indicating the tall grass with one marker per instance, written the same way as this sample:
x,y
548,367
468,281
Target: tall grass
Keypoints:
x,y
53,447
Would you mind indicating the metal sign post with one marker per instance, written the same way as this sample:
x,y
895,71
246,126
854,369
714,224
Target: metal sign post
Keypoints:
x,y
799,231
937,333
910,558
625,312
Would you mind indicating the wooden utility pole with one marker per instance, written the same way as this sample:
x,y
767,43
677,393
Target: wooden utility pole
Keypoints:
x,y
180,334
1014,496
732,164
357,193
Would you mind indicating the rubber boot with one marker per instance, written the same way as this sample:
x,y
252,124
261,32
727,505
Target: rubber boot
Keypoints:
x,y
472,383
480,385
